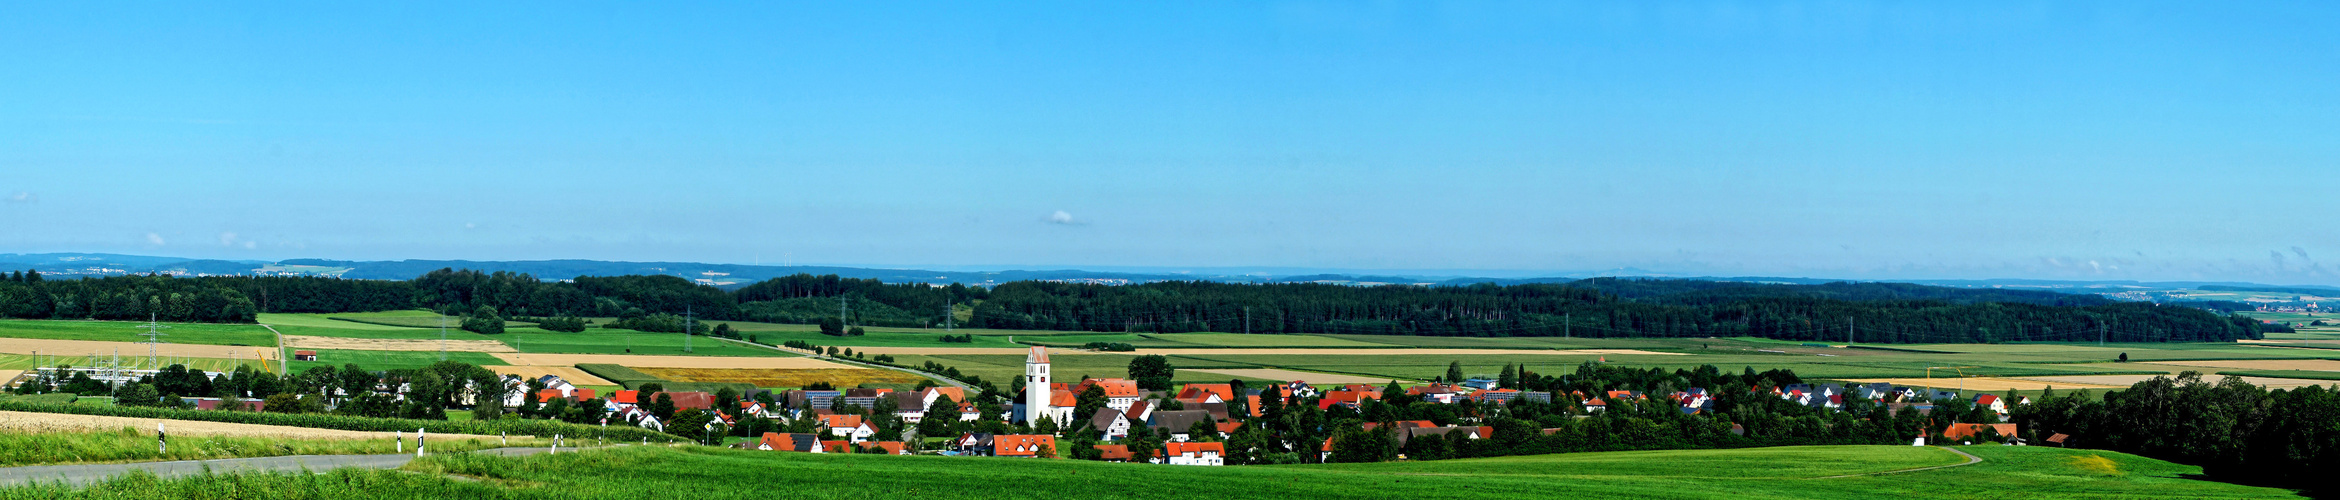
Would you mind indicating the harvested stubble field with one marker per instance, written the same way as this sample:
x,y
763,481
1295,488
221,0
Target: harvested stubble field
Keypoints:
x,y
569,373
641,361
361,344
25,422
768,377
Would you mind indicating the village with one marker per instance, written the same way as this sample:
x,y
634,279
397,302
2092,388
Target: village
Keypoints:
x,y
1189,426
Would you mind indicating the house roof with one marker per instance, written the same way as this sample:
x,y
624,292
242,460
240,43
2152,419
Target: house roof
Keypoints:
x,y
956,394
1021,445
1194,448
1178,421
1063,398
891,447
840,421
691,400
1038,355
837,446
1114,452
791,442
1114,387
582,394
304,353
1140,410
1962,431
1224,391
624,397
1986,399
1229,427
1104,418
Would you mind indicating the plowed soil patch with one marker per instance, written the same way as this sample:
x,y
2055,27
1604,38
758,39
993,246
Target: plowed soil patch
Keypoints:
x,y
642,361
354,344
781,377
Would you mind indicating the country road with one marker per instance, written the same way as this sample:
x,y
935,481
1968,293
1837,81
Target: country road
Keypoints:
x,y
85,474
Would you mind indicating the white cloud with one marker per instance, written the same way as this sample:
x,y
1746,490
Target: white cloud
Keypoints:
x,y
227,239
154,239
24,197
248,245
1061,218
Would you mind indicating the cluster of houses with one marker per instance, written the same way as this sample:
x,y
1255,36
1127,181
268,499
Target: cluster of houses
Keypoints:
x,y
1129,409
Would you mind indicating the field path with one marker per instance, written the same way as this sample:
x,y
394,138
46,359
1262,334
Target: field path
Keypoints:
x,y
83,475
1970,460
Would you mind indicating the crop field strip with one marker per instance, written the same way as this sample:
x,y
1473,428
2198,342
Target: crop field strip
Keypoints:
x,y
391,360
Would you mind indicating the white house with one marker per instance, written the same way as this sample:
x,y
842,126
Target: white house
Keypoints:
x,y
1210,454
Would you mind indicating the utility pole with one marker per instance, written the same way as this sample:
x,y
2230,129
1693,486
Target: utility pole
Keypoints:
x,y
1247,319
1567,324
686,328
949,310
2103,331
1848,330
153,330
442,341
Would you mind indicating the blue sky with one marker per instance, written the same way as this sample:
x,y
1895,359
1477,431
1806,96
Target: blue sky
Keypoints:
x,y
2070,140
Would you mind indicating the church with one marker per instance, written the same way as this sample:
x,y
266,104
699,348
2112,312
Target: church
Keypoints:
x,y
1043,396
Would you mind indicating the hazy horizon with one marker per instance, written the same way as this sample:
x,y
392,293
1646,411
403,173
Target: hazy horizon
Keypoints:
x,y
1870,140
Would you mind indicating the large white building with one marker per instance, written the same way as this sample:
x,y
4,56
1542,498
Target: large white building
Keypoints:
x,y
1036,388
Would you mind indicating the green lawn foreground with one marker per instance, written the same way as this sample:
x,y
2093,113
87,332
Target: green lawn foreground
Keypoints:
x,y
709,473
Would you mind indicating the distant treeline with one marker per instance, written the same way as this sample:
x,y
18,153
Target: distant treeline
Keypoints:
x,y
1606,307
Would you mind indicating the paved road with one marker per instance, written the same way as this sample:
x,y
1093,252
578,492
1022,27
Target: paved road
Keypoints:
x,y
80,475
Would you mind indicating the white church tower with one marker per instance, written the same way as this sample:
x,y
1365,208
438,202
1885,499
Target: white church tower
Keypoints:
x,y
1036,389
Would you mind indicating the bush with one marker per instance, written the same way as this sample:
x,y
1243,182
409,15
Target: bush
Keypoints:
x,y
484,320
1109,346
566,324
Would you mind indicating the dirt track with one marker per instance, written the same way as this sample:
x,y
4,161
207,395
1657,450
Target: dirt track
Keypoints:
x,y
86,347
13,421
638,361
353,344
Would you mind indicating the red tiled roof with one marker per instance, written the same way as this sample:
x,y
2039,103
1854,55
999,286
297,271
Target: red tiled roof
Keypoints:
x,y
1195,448
1196,391
1114,452
692,400
624,397
840,421
837,446
1961,431
1114,387
891,447
1063,398
1229,427
1021,445
956,394
582,394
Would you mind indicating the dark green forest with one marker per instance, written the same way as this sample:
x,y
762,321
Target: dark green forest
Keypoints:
x,y
1602,307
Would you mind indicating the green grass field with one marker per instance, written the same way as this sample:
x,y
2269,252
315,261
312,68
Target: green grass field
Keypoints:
x,y
391,360
28,361
598,341
138,445
1794,472
124,331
